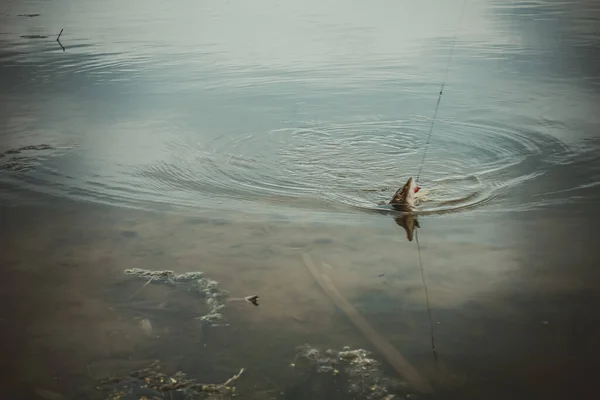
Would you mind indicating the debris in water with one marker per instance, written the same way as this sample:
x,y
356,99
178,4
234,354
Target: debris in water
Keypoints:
x,y
215,297
29,147
396,360
146,326
21,162
152,382
365,378
252,299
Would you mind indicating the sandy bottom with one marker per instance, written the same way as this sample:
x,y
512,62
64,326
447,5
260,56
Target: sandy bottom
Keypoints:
x,y
511,314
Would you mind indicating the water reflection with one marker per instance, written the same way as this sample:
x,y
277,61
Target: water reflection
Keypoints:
x,y
409,222
149,118
266,146
489,295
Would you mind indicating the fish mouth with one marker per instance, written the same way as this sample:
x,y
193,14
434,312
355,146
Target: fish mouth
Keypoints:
x,y
413,188
412,185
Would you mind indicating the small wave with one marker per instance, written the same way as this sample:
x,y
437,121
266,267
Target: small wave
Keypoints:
x,y
339,163
338,167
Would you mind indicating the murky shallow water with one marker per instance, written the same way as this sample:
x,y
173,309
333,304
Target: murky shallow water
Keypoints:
x,y
512,316
232,138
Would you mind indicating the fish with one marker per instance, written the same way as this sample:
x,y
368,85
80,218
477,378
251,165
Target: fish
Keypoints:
x,y
404,200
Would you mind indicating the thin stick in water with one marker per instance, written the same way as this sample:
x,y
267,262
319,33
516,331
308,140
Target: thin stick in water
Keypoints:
x,y
137,291
58,40
400,364
233,378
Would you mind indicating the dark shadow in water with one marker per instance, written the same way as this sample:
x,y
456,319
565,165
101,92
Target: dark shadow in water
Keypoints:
x,y
542,346
34,36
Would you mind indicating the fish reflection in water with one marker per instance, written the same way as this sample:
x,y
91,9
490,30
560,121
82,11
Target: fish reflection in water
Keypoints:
x,y
404,201
409,222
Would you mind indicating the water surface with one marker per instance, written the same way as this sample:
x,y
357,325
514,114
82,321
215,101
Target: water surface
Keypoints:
x,y
233,137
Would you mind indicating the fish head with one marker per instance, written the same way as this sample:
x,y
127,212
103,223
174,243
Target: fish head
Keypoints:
x,y
409,192
405,196
412,185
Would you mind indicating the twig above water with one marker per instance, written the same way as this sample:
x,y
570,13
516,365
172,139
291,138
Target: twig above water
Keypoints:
x,y
250,299
58,40
233,378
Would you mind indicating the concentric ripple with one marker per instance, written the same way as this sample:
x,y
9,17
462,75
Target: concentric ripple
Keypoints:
x,y
468,165
356,165
322,120
336,167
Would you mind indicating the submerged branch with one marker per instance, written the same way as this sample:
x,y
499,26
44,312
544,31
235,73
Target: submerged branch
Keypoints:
x,y
140,289
233,378
400,364
151,377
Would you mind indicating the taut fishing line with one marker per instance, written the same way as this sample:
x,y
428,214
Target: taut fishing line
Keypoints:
x,y
437,105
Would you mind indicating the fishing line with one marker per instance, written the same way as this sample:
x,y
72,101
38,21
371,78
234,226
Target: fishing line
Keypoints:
x,y
431,330
437,105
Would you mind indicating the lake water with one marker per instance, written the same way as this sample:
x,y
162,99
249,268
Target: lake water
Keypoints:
x,y
241,138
